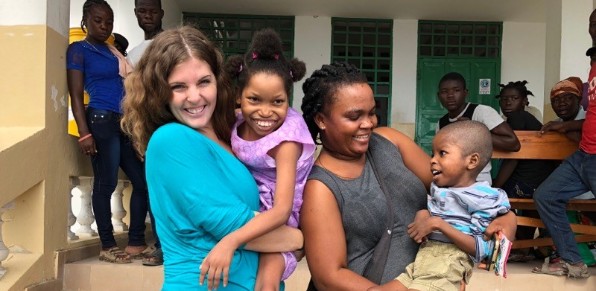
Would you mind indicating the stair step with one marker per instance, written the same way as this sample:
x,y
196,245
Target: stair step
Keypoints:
x,y
92,274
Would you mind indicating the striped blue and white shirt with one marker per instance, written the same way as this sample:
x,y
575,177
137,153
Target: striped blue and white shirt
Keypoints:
x,y
469,210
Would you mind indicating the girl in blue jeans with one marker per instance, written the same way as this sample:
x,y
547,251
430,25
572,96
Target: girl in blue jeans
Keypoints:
x,y
98,68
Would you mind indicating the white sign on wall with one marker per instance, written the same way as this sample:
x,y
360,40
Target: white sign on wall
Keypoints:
x,y
484,87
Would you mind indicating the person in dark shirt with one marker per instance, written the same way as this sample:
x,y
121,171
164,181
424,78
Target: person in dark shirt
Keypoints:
x,y
520,178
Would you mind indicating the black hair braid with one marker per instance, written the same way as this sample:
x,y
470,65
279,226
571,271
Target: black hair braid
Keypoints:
x,y
313,100
520,86
320,87
87,6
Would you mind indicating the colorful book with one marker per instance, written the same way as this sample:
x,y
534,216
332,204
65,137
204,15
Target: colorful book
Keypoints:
x,y
493,257
497,260
504,248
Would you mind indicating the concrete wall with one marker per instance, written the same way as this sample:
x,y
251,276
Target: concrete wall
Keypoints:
x,y
523,57
567,39
405,62
36,155
312,44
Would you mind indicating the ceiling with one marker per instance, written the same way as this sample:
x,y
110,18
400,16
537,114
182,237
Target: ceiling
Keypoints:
x,y
469,10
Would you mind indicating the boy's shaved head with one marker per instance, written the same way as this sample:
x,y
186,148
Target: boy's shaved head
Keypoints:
x,y
471,137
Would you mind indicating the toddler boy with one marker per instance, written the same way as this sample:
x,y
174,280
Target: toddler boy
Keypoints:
x,y
460,210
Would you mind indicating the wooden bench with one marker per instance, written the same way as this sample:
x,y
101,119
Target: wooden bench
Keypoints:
x,y
548,146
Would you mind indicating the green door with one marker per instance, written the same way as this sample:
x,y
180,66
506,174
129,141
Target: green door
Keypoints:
x,y
482,79
470,48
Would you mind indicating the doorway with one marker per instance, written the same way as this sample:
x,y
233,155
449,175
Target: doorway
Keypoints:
x,y
472,49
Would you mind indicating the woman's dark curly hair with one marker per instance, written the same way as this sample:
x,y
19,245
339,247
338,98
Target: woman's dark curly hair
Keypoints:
x,y
320,88
265,54
520,86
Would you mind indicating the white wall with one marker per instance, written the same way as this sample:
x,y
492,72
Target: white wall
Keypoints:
x,y
523,57
405,53
552,50
567,39
23,12
35,12
575,39
312,44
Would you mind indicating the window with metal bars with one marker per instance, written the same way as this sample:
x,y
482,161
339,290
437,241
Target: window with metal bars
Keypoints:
x,y
459,39
367,43
234,32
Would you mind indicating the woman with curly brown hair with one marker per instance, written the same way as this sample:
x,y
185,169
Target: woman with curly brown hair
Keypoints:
x,y
179,111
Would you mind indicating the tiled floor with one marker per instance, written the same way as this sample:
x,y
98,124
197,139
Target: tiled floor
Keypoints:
x,y
92,274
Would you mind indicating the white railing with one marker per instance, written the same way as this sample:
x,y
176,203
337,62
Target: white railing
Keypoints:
x,y
71,219
118,212
82,224
80,219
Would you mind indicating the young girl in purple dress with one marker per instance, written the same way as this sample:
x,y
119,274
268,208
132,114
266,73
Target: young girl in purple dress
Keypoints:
x,y
273,141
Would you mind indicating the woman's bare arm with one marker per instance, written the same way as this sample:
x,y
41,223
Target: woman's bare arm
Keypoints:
x,y
414,157
75,82
74,79
281,239
325,242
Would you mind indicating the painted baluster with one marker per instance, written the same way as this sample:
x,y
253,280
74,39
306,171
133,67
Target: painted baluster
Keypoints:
x,y
118,212
85,218
71,219
3,249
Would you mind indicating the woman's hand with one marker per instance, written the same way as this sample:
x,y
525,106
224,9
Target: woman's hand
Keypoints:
x,y
506,223
216,265
88,146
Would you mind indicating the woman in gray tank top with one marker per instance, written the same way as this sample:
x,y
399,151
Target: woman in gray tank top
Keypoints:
x,y
344,211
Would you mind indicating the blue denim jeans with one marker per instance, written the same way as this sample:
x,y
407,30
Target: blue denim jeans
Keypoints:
x,y
114,150
576,175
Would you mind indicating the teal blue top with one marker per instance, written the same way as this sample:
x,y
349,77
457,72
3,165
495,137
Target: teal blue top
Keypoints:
x,y
199,192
